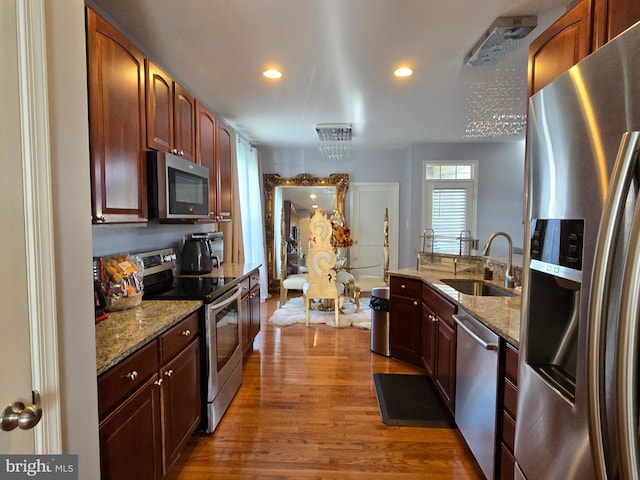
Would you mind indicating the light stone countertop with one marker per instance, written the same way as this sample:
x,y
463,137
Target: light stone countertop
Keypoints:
x,y
124,332
500,314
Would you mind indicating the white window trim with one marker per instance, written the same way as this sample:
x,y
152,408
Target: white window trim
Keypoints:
x,y
426,214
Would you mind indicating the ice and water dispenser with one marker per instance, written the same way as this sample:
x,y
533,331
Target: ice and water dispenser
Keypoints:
x,y
555,279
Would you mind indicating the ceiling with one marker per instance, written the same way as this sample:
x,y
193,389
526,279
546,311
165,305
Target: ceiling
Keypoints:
x,y
337,59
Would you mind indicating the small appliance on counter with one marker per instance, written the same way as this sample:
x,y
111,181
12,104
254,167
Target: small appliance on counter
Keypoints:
x,y
196,256
216,246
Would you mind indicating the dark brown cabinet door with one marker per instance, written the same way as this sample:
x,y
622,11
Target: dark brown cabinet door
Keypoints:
x,y
245,305
206,150
130,439
404,329
429,337
159,108
184,118
224,165
445,376
612,17
116,124
255,311
561,46
181,405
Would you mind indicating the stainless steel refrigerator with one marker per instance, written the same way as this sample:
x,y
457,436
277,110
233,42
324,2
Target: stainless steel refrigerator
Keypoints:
x,y
578,381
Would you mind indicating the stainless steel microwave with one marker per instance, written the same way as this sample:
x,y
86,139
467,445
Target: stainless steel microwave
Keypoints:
x,y
178,189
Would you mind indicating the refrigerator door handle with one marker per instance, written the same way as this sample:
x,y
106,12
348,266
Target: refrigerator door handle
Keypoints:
x,y
627,357
610,223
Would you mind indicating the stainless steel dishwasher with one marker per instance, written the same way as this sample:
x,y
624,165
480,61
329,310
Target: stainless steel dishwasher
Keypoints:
x,y
476,389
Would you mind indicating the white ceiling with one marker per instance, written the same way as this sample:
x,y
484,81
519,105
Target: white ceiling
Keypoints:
x,y
337,58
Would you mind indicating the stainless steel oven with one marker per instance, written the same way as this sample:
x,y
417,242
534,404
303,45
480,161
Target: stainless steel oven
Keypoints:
x,y
221,327
223,354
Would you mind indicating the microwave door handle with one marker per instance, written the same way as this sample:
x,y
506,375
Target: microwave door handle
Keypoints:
x,y
627,357
603,264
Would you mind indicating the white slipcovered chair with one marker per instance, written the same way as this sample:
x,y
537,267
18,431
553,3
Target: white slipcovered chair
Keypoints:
x,y
321,260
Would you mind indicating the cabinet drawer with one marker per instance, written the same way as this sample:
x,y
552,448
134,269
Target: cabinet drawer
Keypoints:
x,y
126,377
508,430
405,287
511,363
510,398
179,336
440,306
245,283
507,464
254,279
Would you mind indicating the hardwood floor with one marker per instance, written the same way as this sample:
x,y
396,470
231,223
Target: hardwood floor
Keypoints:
x,y
307,410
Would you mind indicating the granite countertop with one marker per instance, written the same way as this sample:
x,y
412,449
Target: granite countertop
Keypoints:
x,y
124,332
500,314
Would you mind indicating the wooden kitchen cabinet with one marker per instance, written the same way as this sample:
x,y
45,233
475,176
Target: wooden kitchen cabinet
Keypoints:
x,y
116,77
405,319
150,404
171,114
429,339
250,305
442,338
507,406
561,46
213,150
224,166
612,17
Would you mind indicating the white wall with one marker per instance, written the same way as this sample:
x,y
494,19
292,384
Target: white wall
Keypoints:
x,y
69,133
500,195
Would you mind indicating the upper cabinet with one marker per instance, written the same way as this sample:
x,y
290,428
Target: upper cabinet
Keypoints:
x,y
224,165
213,150
612,17
116,124
559,47
170,114
585,27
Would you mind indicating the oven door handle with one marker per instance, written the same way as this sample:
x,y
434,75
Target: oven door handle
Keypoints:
x,y
228,300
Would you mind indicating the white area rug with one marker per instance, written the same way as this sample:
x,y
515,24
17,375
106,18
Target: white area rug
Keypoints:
x,y
293,312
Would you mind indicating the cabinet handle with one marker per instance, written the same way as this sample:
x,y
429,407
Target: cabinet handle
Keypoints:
x,y
132,375
158,382
169,373
415,303
403,286
186,333
174,151
101,219
17,415
181,153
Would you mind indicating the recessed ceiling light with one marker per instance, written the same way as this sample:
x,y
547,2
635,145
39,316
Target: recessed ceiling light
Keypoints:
x,y
403,72
272,73
313,196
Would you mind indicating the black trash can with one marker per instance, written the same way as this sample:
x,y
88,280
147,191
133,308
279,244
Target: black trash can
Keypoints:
x,y
380,321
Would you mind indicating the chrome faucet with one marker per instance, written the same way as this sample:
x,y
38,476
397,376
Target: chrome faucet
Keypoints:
x,y
508,276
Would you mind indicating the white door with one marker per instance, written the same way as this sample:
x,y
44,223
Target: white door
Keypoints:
x,y
367,207
26,290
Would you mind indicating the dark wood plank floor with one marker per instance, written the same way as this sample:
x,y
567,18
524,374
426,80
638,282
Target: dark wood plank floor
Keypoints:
x,y
307,410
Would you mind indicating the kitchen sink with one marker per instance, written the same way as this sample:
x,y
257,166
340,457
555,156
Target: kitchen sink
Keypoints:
x,y
477,288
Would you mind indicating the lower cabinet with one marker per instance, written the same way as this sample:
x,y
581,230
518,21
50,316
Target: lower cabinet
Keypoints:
x,y
250,311
150,404
405,319
439,343
507,403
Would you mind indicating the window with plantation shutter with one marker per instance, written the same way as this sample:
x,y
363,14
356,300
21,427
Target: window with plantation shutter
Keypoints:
x,y
449,203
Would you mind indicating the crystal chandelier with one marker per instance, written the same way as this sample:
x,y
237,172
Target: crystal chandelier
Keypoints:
x,y
497,107
334,141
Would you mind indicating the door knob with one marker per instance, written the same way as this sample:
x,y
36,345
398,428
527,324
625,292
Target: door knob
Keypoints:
x,y
17,415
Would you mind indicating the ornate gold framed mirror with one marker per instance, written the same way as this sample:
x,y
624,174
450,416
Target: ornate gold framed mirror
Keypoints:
x,y
275,189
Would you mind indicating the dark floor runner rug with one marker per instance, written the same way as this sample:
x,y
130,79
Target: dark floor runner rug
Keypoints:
x,y
410,401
